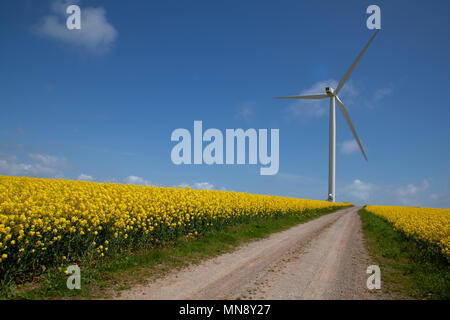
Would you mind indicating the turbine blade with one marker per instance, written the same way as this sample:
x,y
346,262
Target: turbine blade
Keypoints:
x,y
350,70
350,124
314,96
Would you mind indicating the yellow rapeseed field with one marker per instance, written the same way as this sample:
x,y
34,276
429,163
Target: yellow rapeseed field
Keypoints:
x,y
48,222
426,224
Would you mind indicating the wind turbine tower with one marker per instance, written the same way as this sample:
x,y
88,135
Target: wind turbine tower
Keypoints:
x,y
333,95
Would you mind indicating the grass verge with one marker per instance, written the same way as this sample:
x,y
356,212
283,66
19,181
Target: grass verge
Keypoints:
x,y
121,271
409,269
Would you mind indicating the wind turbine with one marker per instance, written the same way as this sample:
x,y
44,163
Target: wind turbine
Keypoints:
x,y
333,95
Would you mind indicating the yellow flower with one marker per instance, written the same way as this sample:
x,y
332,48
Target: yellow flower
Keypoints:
x,y
426,224
54,216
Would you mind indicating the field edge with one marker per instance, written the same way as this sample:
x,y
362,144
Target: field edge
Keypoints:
x,y
410,269
122,271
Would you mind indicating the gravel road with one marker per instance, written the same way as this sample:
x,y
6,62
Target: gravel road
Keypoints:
x,y
322,259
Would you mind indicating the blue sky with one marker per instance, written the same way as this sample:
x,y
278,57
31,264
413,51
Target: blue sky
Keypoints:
x,y
102,105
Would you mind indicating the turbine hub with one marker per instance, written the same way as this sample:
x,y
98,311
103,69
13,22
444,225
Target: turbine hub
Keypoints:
x,y
329,91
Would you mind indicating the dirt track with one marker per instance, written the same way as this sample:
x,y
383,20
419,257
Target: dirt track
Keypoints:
x,y
321,259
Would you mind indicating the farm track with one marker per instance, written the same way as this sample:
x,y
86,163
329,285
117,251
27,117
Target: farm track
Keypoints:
x,y
321,259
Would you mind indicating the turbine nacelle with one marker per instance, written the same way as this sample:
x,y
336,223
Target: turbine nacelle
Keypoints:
x,y
329,91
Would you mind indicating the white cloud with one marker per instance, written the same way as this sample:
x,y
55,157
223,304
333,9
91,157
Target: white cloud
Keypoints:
x,y
96,33
199,185
203,185
85,177
47,160
358,190
137,180
317,108
245,110
38,165
349,147
441,200
381,93
420,194
411,194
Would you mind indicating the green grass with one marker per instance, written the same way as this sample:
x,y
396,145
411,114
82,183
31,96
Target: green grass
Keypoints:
x,y
122,270
409,269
